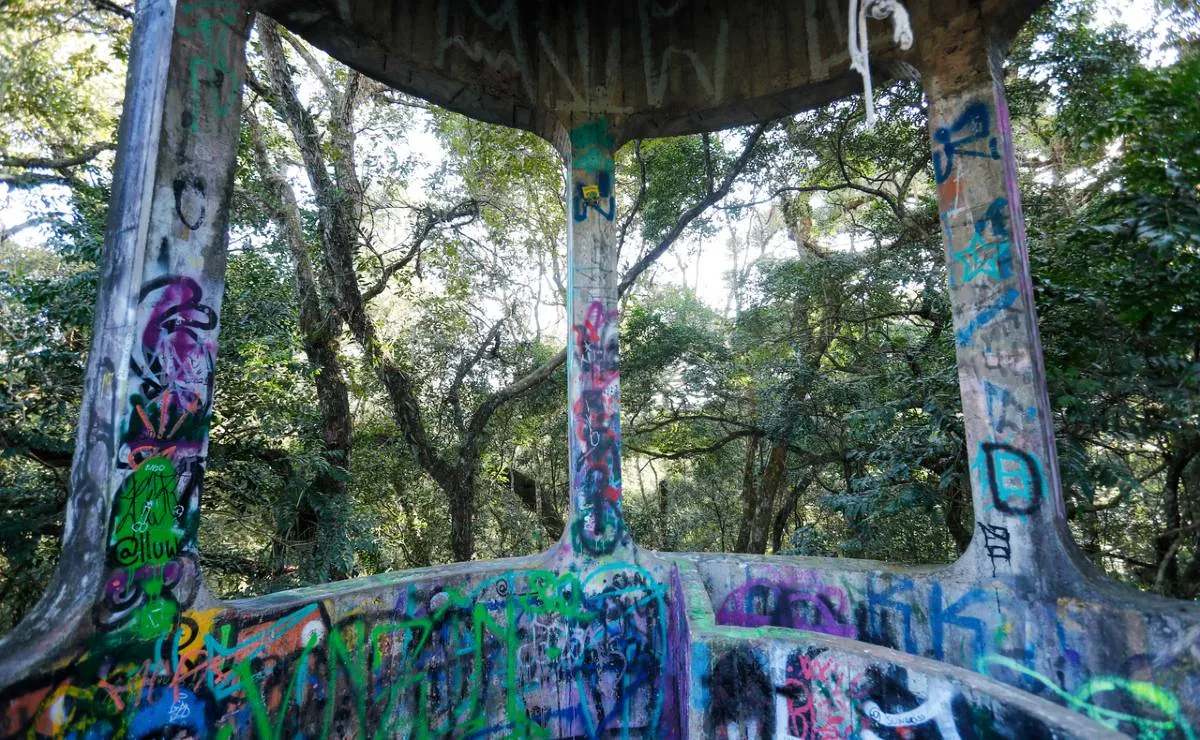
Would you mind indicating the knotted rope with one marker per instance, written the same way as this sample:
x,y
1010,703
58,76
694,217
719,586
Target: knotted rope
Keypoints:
x,y
902,35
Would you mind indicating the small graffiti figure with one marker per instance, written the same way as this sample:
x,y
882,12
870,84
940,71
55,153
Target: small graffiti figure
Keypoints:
x,y
969,136
598,196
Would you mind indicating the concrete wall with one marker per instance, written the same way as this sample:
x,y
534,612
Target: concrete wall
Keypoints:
x,y
523,648
596,638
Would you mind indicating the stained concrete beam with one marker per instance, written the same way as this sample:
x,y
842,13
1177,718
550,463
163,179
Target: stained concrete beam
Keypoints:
x,y
651,68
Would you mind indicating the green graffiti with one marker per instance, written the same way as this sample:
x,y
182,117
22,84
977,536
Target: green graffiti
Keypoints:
x,y
591,146
145,537
145,529
1147,694
214,23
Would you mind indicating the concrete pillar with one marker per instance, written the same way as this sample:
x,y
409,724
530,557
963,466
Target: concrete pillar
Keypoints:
x,y
177,278
129,561
1020,522
597,526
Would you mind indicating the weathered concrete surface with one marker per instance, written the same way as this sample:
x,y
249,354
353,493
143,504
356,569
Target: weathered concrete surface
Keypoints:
x,y
597,527
651,67
1122,658
130,538
594,638
811,681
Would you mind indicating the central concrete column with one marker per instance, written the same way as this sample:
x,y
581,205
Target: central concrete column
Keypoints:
x,y
597,526
1020,527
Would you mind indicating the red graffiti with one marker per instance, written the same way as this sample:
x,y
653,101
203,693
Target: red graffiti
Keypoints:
x,y
596,430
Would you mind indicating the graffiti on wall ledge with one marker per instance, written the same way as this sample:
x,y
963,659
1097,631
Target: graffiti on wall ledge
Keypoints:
x,y
1049,650
813,694
533,653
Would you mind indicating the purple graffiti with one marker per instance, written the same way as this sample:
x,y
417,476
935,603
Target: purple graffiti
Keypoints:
x,y
813,607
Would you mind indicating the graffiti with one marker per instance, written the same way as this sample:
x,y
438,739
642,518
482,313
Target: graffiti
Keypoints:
x,y
503,18
888,617
991,631
741,692
657,67
984,256
1000,402
1156,712
499,39
1013,478
596,437
910,700
592,165
969,136
145,559
175,359
212,77
190,204
817,698
813,607
825,695
598,197
524,653
996,544
986,315
152,572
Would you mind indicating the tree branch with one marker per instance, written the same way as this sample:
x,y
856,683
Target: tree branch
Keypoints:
x,y
467,208
638,200
691,451
110,7
692,213
464,369
58,163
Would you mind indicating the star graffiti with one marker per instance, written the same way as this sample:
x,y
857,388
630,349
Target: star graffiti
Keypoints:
x,y
982,257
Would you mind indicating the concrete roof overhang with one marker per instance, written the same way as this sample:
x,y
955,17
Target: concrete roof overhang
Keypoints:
x,y
651,67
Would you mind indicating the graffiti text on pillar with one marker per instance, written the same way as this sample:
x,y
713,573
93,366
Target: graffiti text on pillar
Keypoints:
x,y
969,136
596,437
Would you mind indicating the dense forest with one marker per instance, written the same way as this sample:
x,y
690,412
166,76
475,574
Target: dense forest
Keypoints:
x,y
390,378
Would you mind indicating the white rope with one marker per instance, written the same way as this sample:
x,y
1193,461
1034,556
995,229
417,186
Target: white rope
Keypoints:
x,y
860,62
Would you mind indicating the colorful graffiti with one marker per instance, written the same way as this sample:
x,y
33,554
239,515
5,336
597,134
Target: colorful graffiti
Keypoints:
x,y
151,556
816,694
597,527
809,606
588,643
1046,648
535,653
1011,448
970,135
1151,711
214,83
592,167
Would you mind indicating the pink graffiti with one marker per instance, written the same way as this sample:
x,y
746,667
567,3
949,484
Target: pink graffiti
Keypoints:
x,y
176,356
595,412
820,698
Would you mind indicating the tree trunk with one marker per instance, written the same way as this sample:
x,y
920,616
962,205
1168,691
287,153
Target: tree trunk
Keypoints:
x,y
525,488
749,494
787,509
324,508
955,507
329,497
1166,545
340,211
461,494
666,531
772,480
